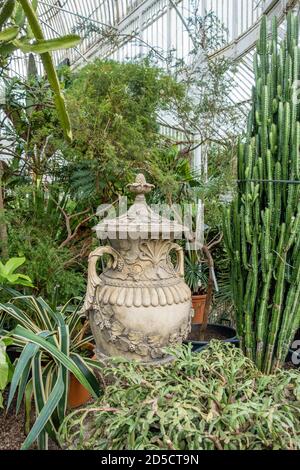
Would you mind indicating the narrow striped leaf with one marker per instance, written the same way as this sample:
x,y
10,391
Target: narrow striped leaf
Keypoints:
x,y
22,333
45,413
6,11
86,370
39,392
64,339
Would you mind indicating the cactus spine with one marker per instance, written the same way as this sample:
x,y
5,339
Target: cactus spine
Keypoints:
x,y
265,256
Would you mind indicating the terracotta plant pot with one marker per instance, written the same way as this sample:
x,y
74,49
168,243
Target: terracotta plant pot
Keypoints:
x,y
78,394
198,302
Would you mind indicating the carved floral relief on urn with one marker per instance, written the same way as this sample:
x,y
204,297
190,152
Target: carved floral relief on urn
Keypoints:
x,y
140,304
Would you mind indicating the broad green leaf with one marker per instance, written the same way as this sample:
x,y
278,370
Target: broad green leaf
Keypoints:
x,y
4,367
39,393
12,264
27,403
19,15
64,340
49,45
9,34
23,383
6,11
27,354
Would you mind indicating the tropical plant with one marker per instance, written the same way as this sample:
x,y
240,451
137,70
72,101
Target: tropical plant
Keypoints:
x,y
114,110
213,400
195,273
6,367
52,344
9,276
262,225
20,29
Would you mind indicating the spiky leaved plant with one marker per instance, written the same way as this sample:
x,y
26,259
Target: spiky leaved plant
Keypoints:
x,y
262,225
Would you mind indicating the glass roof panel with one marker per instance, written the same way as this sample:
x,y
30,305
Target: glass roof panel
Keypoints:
x,y
153,23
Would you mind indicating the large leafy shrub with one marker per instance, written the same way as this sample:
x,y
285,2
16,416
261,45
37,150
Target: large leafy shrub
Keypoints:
x,y
213,400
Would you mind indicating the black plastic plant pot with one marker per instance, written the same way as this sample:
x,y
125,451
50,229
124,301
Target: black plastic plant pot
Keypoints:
x,y
13,352
213,331
293,357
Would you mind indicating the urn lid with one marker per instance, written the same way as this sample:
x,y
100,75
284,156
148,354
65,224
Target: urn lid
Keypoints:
x,y
140,221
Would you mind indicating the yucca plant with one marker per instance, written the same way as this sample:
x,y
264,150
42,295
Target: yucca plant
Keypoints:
x,y
53,345
262,226
195,273
20,29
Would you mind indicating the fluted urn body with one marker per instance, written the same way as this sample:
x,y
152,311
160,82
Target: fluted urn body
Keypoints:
x,y
140,304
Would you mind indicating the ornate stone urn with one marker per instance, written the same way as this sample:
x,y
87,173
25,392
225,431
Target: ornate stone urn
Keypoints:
x,y
140,304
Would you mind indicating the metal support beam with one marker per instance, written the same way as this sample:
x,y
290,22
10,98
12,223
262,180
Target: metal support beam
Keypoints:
x,y
246,42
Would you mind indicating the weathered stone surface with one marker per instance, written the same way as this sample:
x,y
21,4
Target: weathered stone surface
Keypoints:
x,y
140,304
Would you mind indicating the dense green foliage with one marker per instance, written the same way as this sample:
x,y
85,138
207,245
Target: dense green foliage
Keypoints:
x,y
213,400
8,273
114,109
262,226
53,188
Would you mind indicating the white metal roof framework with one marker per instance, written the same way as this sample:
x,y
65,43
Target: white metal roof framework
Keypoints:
x,y
156,23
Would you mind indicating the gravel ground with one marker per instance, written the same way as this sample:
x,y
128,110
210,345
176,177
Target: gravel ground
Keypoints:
x,y
12,433
11,428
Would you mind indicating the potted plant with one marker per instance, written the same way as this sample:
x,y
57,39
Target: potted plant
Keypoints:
x,y
196,279
202,332
52,344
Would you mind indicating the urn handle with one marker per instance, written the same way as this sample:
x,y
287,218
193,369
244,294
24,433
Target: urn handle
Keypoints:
x,y
93,279
180,258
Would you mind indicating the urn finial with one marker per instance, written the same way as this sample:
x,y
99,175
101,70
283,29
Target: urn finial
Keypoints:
x,y
140,186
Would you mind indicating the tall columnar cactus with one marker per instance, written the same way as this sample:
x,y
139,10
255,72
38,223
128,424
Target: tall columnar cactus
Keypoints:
x,y
262,225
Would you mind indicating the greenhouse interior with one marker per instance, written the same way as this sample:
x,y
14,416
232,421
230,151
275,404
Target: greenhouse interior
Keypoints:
x,y
150,226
